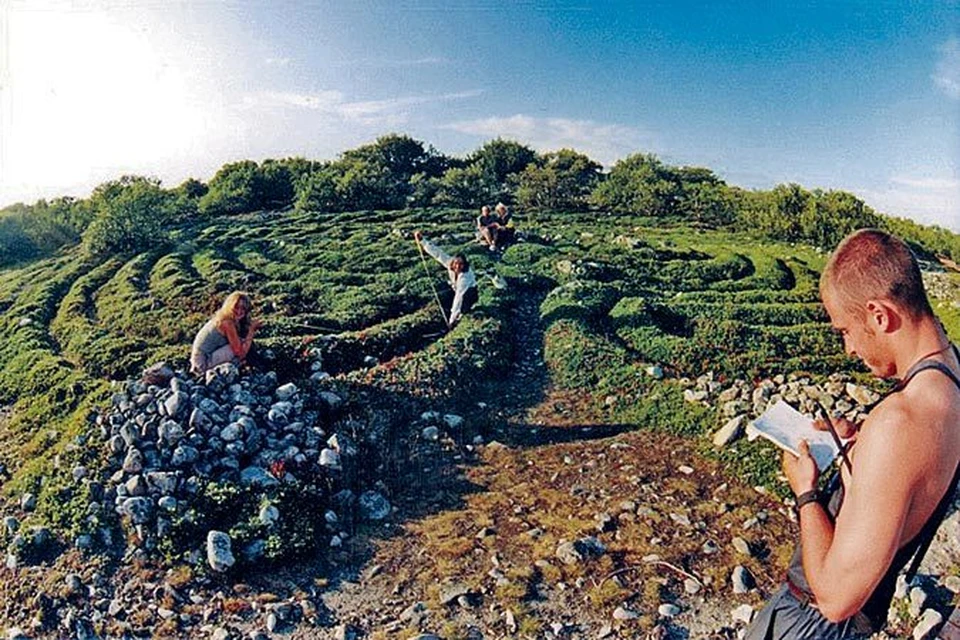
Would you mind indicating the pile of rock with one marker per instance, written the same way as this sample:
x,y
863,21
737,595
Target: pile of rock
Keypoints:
x,y
941,286
166,441
739,402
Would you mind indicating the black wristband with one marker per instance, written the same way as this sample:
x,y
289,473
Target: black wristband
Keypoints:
x,y
806,498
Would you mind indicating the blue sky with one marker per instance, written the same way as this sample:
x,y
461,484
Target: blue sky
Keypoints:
x,y
861,96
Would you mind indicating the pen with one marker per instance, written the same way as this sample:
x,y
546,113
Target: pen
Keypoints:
x,y
836,438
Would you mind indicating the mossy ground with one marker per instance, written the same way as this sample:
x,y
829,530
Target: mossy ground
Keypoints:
x,y
557,361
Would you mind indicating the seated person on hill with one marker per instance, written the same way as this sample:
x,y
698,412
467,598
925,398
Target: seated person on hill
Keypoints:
x,y
463,282
226,337
484,220
493,228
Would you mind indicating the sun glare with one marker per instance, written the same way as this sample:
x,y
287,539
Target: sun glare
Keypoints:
x,y
91,95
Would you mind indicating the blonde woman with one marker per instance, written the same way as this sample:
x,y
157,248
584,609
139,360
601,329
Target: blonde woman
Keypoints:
x,y
227,336
500,233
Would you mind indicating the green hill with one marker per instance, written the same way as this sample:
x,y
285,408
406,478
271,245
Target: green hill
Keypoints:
x,y
652,331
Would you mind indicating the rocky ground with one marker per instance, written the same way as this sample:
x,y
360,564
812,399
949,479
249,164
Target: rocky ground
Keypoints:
x,y
528,513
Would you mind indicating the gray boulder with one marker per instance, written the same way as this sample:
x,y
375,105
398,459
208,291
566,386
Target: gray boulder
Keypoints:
x,y
580,550
225,374
343,444
373,506
28,502
257,477
170,433
164,482
138,509
269,515
742,580
729,431
287,391
184,455
176,403
330,458
133,462
219,551
332,400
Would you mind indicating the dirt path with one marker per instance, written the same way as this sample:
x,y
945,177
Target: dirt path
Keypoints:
x,y
488,520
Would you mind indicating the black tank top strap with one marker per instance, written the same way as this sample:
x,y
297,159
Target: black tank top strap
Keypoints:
x,y
924,365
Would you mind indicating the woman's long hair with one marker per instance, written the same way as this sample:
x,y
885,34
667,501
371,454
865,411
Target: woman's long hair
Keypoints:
x,y
228,311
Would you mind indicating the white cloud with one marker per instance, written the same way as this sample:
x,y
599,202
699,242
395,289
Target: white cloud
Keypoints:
x,y
369,111
386,63
934,184
277,61
603,142
947,74
415,62
321,100
387,112
926,199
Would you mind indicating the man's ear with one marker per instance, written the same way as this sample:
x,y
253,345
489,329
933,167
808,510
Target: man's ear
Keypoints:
x,y
883,317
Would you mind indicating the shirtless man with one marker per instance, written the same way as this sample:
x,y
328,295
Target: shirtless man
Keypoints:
x,y
854,543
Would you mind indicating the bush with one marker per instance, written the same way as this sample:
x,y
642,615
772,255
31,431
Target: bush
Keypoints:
x,y
578,299
560,181
130,218
579,357
639,184
688,275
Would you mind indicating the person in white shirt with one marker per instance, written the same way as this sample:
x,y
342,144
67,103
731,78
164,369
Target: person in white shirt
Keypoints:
x,y
463,282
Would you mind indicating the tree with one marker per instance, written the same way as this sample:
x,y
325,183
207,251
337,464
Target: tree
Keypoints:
x,y
830,216
560,180
639,183
362,184
402,156
704,198
423,190
192,188
276,185
185,203
130,216
15,245
379,175
467,187
235,188
317,191
34,231
498,160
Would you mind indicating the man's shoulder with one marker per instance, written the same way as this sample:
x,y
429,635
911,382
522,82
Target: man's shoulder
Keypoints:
x,y
930,398
887,426
902,425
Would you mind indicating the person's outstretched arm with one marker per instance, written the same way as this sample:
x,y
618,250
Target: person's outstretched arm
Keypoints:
x,y
433,250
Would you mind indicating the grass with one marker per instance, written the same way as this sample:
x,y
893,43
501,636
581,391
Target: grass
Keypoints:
x,y
619,293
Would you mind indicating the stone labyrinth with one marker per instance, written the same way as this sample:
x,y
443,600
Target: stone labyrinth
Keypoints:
x,y
361,403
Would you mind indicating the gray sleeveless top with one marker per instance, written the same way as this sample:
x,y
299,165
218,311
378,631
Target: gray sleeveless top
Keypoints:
x,y
209,339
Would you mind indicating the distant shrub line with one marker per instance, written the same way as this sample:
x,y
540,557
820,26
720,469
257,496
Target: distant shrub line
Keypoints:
x,y
396,172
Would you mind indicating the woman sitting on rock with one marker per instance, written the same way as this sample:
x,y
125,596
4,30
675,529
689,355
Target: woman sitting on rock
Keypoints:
x,y
226,337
